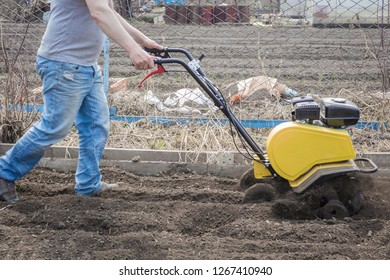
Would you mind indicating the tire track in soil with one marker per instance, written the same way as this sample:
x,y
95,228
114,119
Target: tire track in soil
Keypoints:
x,y
177,216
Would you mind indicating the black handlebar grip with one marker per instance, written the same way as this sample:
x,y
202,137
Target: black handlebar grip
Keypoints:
x,y
156,52
156,61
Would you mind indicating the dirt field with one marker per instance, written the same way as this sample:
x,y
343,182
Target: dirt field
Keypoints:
x,y
190,216
181,216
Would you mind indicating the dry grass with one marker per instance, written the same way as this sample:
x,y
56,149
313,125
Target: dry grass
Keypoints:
x,y
210,136
214,137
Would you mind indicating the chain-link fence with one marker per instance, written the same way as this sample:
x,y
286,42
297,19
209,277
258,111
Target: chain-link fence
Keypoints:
x,y
303,41
318,47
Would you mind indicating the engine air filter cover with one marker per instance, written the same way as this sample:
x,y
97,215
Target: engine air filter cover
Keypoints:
x,y
338,112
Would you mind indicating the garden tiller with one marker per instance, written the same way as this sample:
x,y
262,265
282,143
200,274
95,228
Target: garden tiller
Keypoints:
x,y
312,149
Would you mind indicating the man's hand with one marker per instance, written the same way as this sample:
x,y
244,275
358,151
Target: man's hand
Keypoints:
x,y
141,59
148,43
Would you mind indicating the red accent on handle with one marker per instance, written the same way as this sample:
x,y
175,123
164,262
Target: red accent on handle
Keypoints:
x,y
159,70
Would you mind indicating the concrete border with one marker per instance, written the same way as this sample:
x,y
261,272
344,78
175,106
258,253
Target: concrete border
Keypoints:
x,y
153,168
150,162
382,160
118,154
229,164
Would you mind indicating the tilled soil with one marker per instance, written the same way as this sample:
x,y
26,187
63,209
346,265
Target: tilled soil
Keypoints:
x,y
182,216
190,216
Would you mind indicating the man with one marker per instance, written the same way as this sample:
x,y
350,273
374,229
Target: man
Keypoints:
x,y
73,90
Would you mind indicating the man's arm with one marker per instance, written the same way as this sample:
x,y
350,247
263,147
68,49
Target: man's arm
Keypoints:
x,y
107,20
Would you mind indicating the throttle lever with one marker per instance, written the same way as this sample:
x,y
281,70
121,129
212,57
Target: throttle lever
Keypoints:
x,y
160,70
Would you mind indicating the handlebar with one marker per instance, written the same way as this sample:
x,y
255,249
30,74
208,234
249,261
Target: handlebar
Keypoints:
x,y
164,57
165,52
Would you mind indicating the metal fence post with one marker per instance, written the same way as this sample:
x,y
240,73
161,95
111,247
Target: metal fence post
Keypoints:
x,y
106,65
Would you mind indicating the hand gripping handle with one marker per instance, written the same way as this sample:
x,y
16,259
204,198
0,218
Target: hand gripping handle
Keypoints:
x,y
158,53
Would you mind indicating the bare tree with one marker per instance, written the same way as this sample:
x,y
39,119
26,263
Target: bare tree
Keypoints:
x,y
15,114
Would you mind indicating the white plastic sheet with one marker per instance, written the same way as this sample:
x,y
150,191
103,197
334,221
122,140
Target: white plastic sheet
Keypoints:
x,y
177,102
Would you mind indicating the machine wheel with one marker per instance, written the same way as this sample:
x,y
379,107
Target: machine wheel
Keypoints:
x,y
247,180
332,209
259,192
355,204
349,192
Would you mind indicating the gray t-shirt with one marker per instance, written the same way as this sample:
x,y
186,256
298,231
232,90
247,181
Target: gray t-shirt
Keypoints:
x,y
71,34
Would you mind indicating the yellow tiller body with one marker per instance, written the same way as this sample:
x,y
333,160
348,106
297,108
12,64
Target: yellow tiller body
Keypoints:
x,y
298,151
294,148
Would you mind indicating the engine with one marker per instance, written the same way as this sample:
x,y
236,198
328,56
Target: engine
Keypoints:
x,y
330,112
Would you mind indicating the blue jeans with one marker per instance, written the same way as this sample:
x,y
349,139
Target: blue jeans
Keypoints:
x,y
71,94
